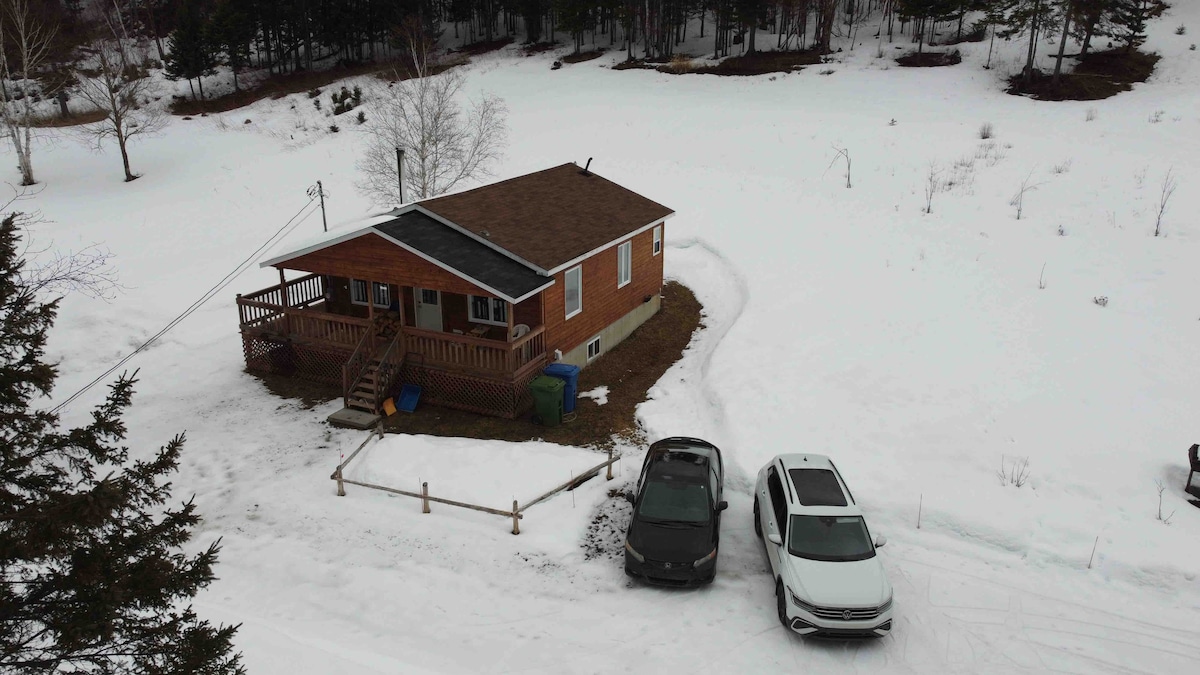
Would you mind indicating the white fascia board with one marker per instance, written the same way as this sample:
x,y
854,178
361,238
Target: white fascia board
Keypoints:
x,y
316,247
575,261
483,240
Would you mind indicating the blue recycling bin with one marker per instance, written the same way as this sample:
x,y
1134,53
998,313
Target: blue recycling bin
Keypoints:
x,y
570,376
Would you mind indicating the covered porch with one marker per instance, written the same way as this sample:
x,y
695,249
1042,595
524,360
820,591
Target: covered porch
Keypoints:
x,y
470,351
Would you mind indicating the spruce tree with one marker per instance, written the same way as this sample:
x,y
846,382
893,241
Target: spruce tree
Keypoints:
x,y
190,50
92,575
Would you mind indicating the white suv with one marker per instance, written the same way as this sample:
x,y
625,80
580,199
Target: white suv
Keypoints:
x,y
828,580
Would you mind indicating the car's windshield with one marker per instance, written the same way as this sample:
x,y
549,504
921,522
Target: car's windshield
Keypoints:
x,y
674,501
829,538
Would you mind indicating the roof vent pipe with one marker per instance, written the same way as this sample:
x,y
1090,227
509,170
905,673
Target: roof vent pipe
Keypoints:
x,y
585,167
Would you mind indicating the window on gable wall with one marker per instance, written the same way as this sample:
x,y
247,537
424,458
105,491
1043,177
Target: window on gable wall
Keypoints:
x,y
573,291
624,263
488,310
658,239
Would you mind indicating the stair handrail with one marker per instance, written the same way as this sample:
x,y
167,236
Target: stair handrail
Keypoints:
x,y
383,379
359,353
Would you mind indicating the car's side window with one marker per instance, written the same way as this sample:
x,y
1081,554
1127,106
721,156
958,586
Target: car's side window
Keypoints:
x,y
778,500
714,485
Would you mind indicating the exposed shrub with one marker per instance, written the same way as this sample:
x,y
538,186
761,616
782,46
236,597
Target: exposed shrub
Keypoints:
x,y
333,128
314,92
362,117
985,130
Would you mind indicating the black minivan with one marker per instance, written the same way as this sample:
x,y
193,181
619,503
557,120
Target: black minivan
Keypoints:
x,y
674,533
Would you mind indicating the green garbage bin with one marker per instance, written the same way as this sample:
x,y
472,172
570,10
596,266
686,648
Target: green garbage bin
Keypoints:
x,y
548,399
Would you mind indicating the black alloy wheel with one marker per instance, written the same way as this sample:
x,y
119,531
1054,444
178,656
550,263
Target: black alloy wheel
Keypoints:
x,y
757,520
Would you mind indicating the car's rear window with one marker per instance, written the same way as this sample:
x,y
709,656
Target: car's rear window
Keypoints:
x,y
817,487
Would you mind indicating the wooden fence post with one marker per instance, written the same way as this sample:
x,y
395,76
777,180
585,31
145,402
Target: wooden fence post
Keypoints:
x,y
516,519
341,487
609,476
425,497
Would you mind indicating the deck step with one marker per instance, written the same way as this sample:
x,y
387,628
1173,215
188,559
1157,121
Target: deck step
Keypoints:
x,y
354,418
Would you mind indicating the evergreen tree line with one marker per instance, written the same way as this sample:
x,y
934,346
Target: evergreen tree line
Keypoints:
x,y
193,36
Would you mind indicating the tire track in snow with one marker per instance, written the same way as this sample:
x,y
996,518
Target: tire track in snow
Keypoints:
x,y
723,291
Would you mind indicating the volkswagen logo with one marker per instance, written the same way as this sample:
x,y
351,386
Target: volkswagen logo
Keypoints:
x,y
667,565
846,615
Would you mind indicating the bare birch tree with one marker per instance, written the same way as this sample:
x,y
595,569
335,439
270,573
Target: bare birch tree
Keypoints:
x,y
443,143
27,41
120,88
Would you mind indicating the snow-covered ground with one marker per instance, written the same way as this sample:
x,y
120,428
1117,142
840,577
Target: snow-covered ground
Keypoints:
x,y
917,349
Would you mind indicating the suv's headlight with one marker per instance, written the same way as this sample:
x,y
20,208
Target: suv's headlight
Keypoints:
x,y
886,605
706,559
637,556
806,606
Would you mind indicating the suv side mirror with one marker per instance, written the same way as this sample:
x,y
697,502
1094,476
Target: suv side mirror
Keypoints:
x,y
775,539
880,541
721,506
629,497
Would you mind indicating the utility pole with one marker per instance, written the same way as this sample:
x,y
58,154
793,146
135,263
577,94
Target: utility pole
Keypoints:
x,y
318,190
400,172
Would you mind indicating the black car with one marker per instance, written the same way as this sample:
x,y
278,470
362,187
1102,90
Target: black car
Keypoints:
x,y
674,533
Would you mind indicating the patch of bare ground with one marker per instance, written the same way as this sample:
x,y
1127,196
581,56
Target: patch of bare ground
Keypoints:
x,y
930,59
1096,76
629,370
582,56
58,121
278,86
754,63
483,47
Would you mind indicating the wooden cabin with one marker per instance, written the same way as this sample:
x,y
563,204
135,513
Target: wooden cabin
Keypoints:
x,y
467,295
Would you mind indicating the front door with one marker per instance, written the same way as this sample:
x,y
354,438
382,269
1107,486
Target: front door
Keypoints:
x,y
429,308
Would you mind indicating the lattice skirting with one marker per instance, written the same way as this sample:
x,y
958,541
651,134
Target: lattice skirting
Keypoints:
x,y
296,359
499,398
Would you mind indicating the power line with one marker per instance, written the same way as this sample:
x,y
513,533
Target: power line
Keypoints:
x,y
290,225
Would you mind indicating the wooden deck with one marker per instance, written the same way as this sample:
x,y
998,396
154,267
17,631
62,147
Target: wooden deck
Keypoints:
x,y
293,313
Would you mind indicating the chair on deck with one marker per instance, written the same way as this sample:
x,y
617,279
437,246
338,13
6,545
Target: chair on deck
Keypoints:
x,y
519,331
1194,458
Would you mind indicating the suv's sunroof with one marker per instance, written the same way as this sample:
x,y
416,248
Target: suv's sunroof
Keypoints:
x,y
817,487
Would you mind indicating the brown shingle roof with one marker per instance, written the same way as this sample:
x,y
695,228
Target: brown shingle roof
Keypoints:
x,y
550,217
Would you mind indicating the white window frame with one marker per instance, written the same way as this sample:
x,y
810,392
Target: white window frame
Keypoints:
x,y
377,289
657,239
625,260
372,287
492,305
578,271
594,341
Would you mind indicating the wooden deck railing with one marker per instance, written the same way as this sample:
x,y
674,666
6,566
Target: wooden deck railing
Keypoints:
x,y
449,350
263,312
301,292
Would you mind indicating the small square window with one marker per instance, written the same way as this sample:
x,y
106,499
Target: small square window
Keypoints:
x,y
658,240
593,348
429,297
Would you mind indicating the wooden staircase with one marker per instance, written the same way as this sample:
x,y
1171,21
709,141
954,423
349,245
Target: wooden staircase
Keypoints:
x,y
367,378
365,395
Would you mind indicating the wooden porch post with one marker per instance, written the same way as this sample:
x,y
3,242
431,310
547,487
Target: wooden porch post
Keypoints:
x,y
287,318
509,356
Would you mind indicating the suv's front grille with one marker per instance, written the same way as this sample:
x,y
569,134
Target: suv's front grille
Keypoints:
x,y
844,613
